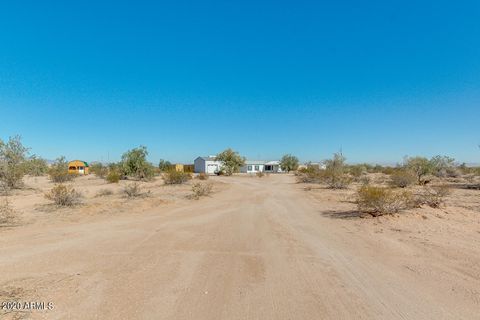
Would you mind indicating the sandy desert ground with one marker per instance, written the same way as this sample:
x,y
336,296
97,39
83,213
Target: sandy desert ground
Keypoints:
x,y
257,248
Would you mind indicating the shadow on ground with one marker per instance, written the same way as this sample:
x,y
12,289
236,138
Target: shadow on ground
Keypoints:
x,y
349,214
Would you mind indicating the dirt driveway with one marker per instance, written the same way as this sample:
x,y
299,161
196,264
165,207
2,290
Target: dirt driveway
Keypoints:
x,y
260,249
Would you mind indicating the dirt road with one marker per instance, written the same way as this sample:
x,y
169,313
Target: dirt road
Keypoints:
x,y
260,249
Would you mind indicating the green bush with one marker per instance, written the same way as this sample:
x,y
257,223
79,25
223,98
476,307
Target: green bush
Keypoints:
x,y
134,164
63,195
58,172
334,174
379,201
113,176
12,162
231,161
36,166
176,177
402,179
289,163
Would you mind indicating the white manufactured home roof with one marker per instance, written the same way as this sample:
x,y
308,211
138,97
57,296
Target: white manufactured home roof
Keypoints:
x,y
209,158
254,162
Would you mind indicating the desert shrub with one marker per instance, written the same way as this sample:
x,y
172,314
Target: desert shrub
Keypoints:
x,y
113,176
104,193
99,170
402,179
58,172
260,174
200,190
176,177
334,174
289,163
134,164
12,162
309,174
7,213
63,195
443,166
419,166
164,165
202,176
380,200
364,180
434,196
356,170
36,166
231,161
133,190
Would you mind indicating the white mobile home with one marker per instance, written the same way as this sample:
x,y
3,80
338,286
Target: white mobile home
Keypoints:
x,y
252,166
207,165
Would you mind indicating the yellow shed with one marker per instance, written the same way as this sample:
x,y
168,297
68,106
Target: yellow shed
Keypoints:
x,y
183,167
78,167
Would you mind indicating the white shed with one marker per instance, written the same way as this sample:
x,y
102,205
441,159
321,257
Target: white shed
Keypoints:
x,y
207,165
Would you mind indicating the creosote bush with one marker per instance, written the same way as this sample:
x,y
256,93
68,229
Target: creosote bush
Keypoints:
x,y
36,166
63,195
200,190
134,164
113,176
402,179
176,177
7,213
133,190
379,201
99,170
334,174
309,174
58,172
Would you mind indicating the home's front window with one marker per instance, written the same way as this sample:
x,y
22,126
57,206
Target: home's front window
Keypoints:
x,y
257,168
249,168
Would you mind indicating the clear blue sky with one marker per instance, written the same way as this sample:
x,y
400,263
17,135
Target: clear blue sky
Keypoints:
x,y
379,79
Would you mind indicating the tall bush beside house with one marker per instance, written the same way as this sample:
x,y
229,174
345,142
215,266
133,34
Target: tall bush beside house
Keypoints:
x,y
289,163
58,172
134,164
12,162
231,161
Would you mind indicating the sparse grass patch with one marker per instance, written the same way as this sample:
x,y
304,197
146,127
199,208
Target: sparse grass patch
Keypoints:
x,y
200,190
176,177
63,195
104,193
134,190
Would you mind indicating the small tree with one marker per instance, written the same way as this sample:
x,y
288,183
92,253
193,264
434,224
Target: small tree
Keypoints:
x,y
231,161
164,165
12,162
443,166
289,163
334,174
419,166
58,172
134,163
36,166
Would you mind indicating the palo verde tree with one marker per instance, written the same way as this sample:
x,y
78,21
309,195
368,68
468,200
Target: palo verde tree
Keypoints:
x,y
134,164
12,162
419,166
231,160
289,163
